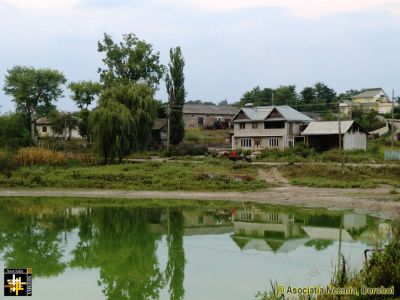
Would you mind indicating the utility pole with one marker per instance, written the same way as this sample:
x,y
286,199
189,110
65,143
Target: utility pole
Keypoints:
x,y
169,125
392,118
340,139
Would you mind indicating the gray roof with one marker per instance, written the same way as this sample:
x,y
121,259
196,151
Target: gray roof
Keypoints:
x,y
209,109
260,113
371,93
43,121
327,127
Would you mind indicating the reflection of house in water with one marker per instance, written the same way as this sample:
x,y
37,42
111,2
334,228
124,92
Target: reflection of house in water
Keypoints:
x,y
199,222
281,231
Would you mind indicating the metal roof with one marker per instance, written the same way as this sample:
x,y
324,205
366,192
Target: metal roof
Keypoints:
x,y
371,93
209,109
327,127
260,113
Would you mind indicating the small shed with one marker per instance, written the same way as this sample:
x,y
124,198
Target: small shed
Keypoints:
x,y
325,135
159,133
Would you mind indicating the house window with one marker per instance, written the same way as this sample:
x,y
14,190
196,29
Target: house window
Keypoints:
x,y
200,220
274,217
242,125
245,143
290,128
254,125
200,120
274,142
44,128
192,115
208,116
257,143
274,125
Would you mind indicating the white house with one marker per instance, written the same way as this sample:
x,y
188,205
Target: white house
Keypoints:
x,y
44,130
263,127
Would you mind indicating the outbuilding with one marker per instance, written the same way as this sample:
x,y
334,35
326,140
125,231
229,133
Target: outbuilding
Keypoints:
x,y
325,135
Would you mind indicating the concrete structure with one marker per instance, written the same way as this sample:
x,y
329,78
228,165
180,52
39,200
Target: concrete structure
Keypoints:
x,y
325,135
202,115
268,127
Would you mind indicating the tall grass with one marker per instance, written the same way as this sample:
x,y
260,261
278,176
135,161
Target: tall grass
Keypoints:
x,y
38,156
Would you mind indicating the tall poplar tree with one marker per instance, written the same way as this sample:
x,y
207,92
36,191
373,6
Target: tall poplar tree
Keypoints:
x,y
175,83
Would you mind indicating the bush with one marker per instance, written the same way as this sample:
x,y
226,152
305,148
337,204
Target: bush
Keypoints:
x,y
38,156
183,150
5,161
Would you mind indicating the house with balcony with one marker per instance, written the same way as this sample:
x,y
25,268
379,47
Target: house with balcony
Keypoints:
x,y
268,127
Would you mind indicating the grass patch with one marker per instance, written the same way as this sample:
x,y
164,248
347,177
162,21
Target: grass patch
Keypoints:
x,y
212,174
331,176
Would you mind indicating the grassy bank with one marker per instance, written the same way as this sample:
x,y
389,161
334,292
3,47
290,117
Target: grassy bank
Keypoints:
x,y
212,174
300,153
330,175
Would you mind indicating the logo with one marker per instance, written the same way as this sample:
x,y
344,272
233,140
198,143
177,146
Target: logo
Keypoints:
x,y
18,282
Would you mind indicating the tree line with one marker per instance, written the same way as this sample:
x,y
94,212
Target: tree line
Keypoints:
x,y
122,121
310,98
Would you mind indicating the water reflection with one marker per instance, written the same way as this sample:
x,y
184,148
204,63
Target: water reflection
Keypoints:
x,y
282,231
122,243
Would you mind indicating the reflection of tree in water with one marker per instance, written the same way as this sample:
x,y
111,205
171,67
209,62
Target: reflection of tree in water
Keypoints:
x,y
175,271
119,242
319,244
27,241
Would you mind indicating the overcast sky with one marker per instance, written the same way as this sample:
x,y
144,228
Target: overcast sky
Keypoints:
x,y
229,46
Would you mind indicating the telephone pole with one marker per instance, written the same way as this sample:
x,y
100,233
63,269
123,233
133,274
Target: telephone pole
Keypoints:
x,y
168,125
340,139
392,118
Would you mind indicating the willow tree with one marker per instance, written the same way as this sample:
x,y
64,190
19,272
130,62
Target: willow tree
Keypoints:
x,y
139,99
175,83
111,124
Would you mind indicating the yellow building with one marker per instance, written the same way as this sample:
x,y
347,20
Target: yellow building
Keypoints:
x,y
373,99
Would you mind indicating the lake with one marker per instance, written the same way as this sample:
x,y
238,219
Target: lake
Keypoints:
x,y
89,249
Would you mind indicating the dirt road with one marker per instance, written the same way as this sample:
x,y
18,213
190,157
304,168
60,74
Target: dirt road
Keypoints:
x,y
378,201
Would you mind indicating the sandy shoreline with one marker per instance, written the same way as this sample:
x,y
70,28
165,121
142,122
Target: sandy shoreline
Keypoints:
x,y
378,201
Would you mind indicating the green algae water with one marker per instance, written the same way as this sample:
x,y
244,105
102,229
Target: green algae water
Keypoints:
x,y
80,249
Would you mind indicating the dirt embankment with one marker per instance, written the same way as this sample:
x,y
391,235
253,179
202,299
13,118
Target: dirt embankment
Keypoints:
x,y
379,201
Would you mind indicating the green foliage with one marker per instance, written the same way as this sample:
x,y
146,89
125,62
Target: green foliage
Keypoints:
x,y
129,61
298,153
257,96
324,93
329,175
367,119
381,270
171,176
84,92
111,125
83,124
308,95
175,84
63,123
285,95
138,98
33,90
13,131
